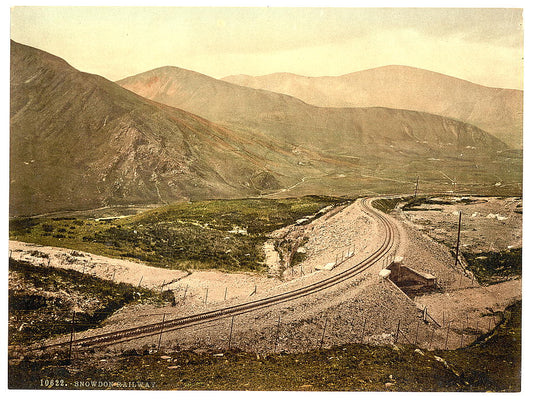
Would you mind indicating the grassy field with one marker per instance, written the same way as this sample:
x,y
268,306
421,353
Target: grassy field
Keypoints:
x,y
42,301
204,235
495,267
387,205
491,364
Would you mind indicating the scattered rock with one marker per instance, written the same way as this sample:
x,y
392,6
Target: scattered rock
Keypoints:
x,y
200,351
440,359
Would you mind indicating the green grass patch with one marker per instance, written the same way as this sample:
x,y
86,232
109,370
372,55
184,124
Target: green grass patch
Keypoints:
x,y
415,202
42,303
218,234
386,205
495,267
493,363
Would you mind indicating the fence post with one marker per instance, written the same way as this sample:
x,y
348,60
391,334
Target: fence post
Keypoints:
x,y
397,332
254,291
363,332
323,333
277,335
71,337
161,333
416,334
206,293
447,333
458,240
185,293
431,340
225,293
230,332
140,281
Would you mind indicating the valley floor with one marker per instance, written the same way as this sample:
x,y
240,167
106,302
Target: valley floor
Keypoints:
x,y
365,310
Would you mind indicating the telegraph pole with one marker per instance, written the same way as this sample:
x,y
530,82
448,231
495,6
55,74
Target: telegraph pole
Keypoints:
x,y
458,239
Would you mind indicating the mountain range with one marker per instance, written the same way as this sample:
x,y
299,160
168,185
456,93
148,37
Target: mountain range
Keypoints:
x,y
495,110
286,119
80,141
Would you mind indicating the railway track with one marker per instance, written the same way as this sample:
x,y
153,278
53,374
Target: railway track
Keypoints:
x,y
120,336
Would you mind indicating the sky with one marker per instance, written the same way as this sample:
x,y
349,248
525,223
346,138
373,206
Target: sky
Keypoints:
x,y
484,46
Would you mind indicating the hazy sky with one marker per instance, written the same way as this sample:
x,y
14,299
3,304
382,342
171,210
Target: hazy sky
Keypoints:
x,y
480,45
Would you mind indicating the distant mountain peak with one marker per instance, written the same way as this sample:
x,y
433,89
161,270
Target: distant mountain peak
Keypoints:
x,y
496,110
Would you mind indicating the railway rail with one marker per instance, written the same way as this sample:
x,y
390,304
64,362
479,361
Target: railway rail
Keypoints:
x,y
125,335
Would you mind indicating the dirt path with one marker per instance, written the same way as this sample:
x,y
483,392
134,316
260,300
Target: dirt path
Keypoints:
x,y
330,237
197,284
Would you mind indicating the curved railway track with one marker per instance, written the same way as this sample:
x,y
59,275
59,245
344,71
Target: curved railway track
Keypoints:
x,y
120,336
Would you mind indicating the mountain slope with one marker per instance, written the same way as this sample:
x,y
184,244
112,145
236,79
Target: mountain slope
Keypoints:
x,y
496,110
351,150
80,141
287,119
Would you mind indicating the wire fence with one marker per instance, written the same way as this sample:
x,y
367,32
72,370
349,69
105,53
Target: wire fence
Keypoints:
x,y
278,332
429,330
